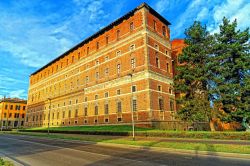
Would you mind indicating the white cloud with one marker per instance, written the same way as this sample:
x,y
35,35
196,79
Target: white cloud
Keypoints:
x,y
166,5
210,13
202,14
14,94
162,5
34,41
188,16
17,94
237,9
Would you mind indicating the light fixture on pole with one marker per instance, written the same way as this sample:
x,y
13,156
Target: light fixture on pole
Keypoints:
x,y
132,110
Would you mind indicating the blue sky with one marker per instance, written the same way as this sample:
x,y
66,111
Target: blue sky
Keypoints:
x,y
33,32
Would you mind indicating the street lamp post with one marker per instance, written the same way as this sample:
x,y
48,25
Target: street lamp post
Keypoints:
x,y
132,110
49,114
2,117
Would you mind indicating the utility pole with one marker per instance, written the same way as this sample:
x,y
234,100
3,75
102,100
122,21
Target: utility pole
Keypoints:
x,y
132,110
49,113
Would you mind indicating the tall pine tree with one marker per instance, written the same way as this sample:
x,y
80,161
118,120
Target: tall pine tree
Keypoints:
x,y
192,76
230,66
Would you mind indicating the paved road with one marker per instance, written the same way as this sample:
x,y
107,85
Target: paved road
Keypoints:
x,y
40,152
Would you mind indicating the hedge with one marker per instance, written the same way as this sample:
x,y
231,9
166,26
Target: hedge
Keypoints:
x,y
159,133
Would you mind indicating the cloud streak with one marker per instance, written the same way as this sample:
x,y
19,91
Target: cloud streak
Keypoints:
x,y
35,40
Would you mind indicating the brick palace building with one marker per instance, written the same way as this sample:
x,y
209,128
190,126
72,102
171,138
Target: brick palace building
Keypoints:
x,y
124,67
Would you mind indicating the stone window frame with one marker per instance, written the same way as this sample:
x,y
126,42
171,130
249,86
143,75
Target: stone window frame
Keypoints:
x,y
118,53
133,88
159,88
161,104
106,108
118,90
119,106
131,26
106,94
132,47
157,61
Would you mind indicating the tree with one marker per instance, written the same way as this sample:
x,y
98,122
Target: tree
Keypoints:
x,y
192,76
230,69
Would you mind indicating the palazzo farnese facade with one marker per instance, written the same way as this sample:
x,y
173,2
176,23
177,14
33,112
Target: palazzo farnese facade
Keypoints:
x,y
123,67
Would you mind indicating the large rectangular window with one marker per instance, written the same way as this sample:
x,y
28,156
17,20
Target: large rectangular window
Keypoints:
x,y
119,106
168,67
76,113
85,111
69,113
133,88
96,110
157,62
171,105
164,31
154,26
106,109
161,104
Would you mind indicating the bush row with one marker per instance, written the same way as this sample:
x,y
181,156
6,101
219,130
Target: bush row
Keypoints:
x,y
165,134
81,132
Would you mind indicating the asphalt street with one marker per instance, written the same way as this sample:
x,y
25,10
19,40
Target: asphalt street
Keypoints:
x,y
35,151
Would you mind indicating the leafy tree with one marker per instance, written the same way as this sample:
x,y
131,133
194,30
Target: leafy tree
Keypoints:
x,y
192,76
230,69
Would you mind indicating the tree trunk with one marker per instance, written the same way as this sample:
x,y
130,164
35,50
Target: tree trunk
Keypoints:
x,y
211,124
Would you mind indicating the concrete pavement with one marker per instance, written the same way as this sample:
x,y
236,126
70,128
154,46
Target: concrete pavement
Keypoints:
x,y
40,151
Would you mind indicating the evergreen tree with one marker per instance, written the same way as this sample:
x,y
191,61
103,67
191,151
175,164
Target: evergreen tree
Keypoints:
x,y
230,68
192,76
